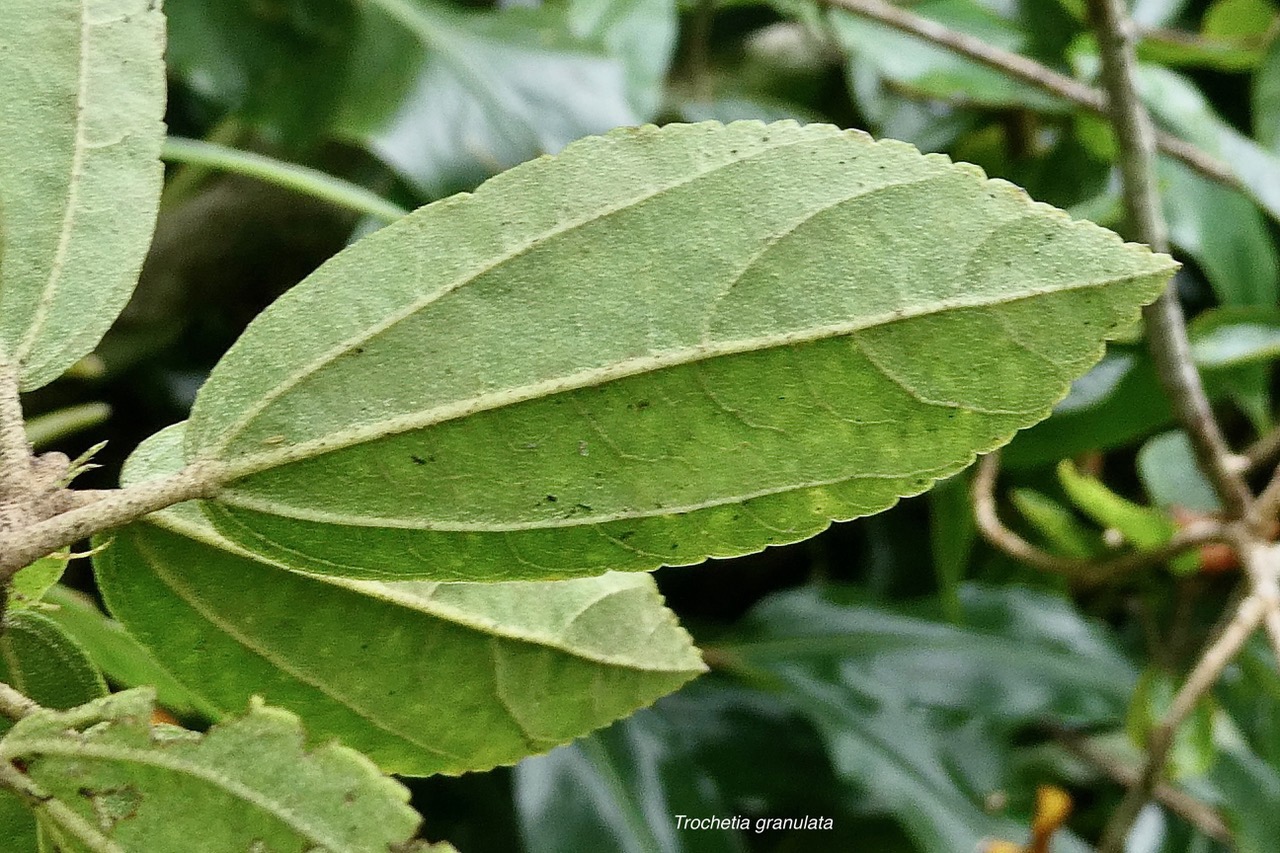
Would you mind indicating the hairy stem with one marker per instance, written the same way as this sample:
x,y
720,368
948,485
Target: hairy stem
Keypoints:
x,y
58,812
110,509
1089,572
1031,72
289,175
14,705
15,452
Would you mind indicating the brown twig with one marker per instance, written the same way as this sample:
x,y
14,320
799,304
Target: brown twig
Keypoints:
x,y
1166,327
1088,572
14,705
1263,452
1200,815
1198,683
1030,72
112,509
15,452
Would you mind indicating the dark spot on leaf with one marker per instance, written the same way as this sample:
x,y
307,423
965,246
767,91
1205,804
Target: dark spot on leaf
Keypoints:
x,y
584,507
626,534
552,499
641,405
418,460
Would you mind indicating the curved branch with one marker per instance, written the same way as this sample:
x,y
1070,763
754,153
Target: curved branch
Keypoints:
x,y
1031,72
1088,572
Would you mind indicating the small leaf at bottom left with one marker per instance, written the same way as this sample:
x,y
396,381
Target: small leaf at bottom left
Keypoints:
x,y
104,777
39,660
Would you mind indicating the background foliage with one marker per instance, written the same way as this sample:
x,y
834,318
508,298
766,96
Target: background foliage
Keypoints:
x,y
893,673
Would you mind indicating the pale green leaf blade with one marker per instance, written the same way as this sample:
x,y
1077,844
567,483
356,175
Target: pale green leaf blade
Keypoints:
x,y
528,666
80,134
154,789
661,345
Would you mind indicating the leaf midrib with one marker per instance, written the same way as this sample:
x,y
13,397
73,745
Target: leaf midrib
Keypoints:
x,y
229,434
249,464
167,761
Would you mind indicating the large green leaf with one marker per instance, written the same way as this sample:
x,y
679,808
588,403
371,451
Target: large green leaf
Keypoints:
x,y
155,789
80,133
448,99
422,677
662,345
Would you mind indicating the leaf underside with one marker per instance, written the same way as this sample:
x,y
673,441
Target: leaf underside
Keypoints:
x,y
658,346
80,172
422,677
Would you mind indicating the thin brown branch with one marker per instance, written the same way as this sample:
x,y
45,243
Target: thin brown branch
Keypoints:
x,y
20,548
1198,684
1087,572
14,705
1263,452
1200,815
1030,72
1166,327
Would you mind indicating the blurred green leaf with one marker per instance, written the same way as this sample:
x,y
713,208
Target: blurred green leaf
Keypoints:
x,y
1021,655
1250,789
1225,234
1193,750
527,666
279,64
46,429
639,33
1170,474
448,99
1240,19
156,788
1178,104
1229,337
952,535
1057,525
1142,526
1266,99
621,790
